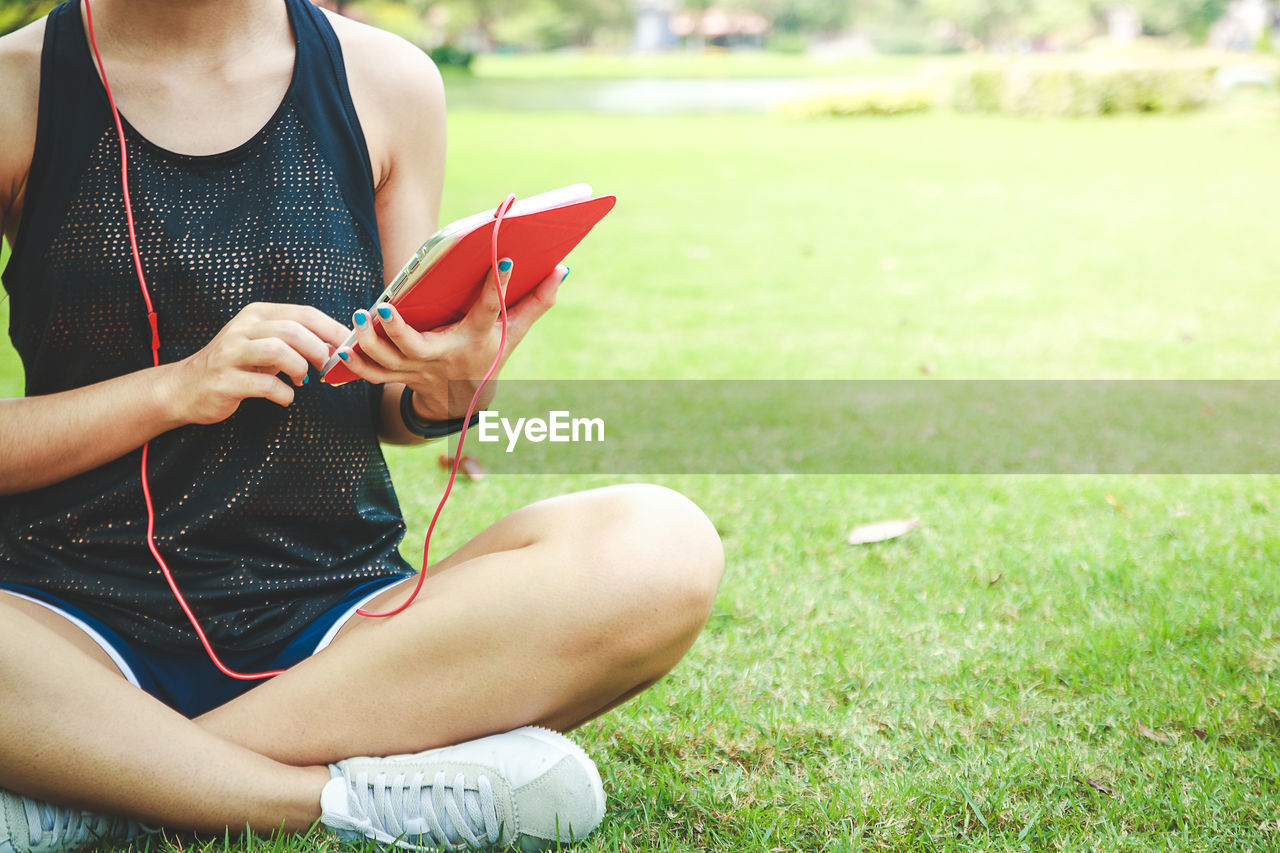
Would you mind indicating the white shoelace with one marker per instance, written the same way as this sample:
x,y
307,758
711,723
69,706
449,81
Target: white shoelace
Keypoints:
x,y
448,815
51,827
58,828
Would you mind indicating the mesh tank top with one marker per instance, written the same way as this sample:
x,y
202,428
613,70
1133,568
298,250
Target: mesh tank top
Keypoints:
x,y
270,516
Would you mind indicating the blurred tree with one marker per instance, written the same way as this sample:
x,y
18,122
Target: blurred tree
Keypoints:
x,y
811,16
989,21
1067,16
999,20
1192,17
541,23
553,23
589,16
808,15
986,20
479,15
18,13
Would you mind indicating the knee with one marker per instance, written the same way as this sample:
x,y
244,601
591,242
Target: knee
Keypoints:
x,y
666,559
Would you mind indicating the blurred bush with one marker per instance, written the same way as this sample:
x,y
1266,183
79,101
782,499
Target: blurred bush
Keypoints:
x,y
793,44
1033,89
1079,91
982,90
449,56
887,102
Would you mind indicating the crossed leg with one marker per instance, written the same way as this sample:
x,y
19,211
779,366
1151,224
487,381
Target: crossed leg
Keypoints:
x,y
553,615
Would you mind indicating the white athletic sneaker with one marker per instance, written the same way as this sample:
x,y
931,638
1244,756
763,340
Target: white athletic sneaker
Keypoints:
x,y
30,826
530,788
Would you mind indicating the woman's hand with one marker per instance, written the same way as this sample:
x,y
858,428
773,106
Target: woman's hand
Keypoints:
x,y
429,361
244,358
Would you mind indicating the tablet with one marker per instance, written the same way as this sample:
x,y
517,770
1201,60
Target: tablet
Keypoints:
x,y
444,277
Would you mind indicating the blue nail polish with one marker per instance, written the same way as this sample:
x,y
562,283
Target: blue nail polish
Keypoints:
x,y
344,356
384,312
306,379
504,265
361,317
566,274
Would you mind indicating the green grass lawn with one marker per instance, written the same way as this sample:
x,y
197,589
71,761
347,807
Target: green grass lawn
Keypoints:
x,y
1048,663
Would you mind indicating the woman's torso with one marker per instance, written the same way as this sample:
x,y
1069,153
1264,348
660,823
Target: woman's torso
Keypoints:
x,y
267,517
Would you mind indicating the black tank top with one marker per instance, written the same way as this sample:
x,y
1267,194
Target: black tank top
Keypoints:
x,y
270,516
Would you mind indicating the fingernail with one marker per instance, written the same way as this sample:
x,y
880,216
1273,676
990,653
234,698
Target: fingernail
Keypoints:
x,y
361,317
566,275
384,312
306,379
504,265
343,355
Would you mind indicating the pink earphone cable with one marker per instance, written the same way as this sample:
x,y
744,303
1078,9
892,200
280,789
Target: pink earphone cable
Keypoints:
x,y
498,216
155,360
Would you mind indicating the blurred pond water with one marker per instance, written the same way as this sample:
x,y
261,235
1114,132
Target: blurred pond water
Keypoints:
x,y
652,96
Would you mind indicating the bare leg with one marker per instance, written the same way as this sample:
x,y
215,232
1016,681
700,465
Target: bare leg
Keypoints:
x,y
60,625
551,616
75,732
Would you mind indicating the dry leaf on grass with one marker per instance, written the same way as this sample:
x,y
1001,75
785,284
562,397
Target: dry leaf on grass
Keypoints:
x,y
1115,504
469,468
879,531
1151,734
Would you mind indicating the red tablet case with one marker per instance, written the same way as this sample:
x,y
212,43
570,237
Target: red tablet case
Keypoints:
x,y
535,242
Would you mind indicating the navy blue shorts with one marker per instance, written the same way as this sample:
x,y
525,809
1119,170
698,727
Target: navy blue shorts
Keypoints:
x,y
191,684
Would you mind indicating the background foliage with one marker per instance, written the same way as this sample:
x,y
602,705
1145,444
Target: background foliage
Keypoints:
x,y
551,23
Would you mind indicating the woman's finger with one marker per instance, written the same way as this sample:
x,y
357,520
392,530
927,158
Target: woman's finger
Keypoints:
x,y
274,356
297,336
319,323
265,385
366,368
412,344
375,348
484,313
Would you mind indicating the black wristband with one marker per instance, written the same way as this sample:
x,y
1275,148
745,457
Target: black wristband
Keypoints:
x,y
429,429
